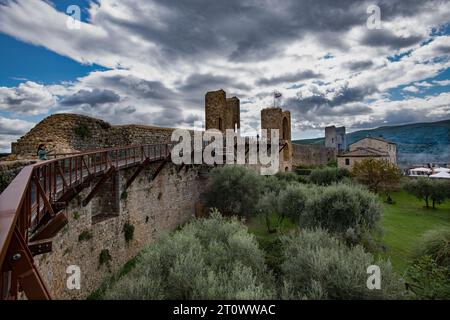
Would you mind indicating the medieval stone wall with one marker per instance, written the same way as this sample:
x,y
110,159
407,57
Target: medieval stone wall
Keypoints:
x,y
9,170
232,113
98,246
65,133
312,155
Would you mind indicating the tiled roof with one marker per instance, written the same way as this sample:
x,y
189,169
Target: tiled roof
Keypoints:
x,y
364,152
375,138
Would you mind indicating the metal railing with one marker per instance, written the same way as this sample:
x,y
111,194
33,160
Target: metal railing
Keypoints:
x,y
33,199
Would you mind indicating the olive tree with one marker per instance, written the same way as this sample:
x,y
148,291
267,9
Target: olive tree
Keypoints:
x,y
214,258
234,190
349,211
377,175
319,266
428,190
328,175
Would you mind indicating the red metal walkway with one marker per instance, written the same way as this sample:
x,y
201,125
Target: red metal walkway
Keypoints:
x,y
31,207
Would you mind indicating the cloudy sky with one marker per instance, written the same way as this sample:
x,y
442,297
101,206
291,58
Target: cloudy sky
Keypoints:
x,y
152,61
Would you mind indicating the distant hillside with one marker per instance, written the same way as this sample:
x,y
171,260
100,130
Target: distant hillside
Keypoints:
x,y
417,142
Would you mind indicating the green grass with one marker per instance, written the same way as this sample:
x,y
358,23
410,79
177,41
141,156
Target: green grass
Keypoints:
x,y
257,226
405,222
270,242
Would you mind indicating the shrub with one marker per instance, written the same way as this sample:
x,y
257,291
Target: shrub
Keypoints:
x,y
292,202
128,230
302,171
378,175
273,184
439,192
427,189
332,163
291,177
104,257
213,258
84,236
427,280
83,131
349,211
234,190
328,175
319,266
436,244
268,205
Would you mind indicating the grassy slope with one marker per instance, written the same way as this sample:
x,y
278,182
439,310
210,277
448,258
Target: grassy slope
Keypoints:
x,y
405,222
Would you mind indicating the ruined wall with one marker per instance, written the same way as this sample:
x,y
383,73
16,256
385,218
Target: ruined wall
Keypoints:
x,y
271,118
153,208
72,132
276,118
312,155
336,138
233,113
221,113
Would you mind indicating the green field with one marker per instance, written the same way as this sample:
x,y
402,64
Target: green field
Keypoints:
x,y
403,223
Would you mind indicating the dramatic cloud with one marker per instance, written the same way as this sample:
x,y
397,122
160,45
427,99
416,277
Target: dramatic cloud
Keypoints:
x,y
290,78
385,38
359,65
27,98
411,89
14,126
92,98
164,55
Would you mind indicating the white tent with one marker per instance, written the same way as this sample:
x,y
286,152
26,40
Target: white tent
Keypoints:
x,y
441,170
421,170
441,175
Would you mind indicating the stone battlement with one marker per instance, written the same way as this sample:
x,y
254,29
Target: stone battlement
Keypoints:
x,y
65,133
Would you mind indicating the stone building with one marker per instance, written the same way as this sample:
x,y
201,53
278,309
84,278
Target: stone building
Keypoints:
x,y
221,113
367,148
335,138
276,118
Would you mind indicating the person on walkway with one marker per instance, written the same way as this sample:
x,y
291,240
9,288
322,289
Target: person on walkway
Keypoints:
x,y
42,153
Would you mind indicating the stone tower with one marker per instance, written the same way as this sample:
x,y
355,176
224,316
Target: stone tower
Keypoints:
x,y
276,118
335,138
221,113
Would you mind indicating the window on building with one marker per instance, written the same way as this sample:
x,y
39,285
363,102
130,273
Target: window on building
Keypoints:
x,y
347,162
